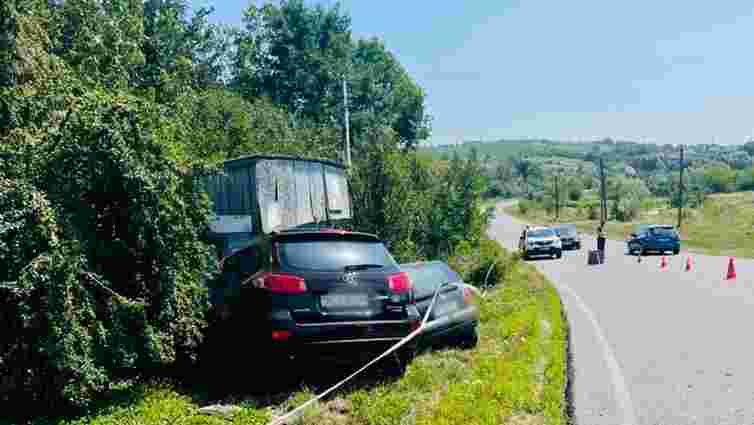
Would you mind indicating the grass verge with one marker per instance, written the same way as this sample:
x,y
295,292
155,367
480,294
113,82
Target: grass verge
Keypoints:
x,y
516,375
723,226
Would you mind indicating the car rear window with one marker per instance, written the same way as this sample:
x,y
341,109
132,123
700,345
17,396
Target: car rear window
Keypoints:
x,y
426,277
332,255
541,233
664,231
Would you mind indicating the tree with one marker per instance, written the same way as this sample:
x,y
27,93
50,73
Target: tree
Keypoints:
x,y
296,56
8,29
175,45
99,39
748,147
626,195
719,178
525,169
575,189
382,93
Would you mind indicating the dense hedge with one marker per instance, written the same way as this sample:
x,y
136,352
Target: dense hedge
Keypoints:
x,y
102,259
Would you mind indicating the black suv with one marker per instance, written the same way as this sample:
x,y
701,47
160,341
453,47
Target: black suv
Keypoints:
x,y
316,294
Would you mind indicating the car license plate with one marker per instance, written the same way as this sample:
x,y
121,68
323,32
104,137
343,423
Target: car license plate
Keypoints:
x,y
335,301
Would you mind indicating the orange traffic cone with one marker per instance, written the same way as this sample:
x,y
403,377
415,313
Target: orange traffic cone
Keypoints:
x,y
688,264
731,270
663,262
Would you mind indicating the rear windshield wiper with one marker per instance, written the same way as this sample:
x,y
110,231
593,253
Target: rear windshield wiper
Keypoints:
x,y
353,267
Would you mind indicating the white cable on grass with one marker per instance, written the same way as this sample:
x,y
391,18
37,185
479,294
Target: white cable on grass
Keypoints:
x,y
281,420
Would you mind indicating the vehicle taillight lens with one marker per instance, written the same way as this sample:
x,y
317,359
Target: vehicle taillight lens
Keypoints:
x,y
467,296
281,335
282,283
399,283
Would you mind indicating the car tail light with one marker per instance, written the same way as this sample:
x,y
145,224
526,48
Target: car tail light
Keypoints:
x,y
399,283
281,283
467,296
281,335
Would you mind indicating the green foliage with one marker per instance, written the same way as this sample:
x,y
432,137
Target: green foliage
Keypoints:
x,y
484,264
8,30
445,204
109,113
719,178
575,189
626,194
112,215
28,227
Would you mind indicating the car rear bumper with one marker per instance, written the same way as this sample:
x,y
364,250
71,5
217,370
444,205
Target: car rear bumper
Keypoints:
x,y
550,250
655,247
342,340
449,322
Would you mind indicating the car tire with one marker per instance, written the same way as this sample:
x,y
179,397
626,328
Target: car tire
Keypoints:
x,y
398,363
676,251
559,254
470,338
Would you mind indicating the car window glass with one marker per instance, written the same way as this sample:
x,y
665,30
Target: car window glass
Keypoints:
x,y
426,277
541,233
664,232
332,255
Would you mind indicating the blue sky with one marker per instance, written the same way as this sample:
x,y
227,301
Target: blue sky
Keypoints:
x,y
659,71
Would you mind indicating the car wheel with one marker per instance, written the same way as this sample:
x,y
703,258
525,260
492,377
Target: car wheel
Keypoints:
x,y
398,363
470,338
676,251
559,254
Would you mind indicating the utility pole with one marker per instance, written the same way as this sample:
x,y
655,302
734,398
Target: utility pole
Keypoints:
x,y
348,124
680,190
557,198
603,195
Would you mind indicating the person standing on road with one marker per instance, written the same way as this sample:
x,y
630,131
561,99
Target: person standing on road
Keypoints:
x,y
601,243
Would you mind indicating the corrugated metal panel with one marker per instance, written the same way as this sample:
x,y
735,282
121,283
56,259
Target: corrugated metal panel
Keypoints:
x,y
337,193
288,192
316,190
303,209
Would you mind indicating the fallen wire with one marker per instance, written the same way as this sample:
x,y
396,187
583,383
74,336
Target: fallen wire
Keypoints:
x,y
290,415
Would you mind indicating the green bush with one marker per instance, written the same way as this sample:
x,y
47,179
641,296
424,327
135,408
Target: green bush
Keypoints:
x,y
484,265
524,206
102,257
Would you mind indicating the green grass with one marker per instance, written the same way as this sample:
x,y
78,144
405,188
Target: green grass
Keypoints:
x,y
723,226
516,375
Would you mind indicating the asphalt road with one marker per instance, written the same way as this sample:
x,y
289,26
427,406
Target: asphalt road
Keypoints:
x,y
653,346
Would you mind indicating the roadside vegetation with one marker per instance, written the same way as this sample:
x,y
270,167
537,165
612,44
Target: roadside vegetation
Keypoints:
x,y
110,114
516,375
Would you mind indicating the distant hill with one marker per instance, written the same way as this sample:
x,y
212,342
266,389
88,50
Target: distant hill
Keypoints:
x,y
713,168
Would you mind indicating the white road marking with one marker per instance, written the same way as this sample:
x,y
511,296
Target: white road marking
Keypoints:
x,y
616,375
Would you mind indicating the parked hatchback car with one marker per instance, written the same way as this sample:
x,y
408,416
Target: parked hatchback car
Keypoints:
x,y
455,316
315,295
569,236
539,241
654,238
